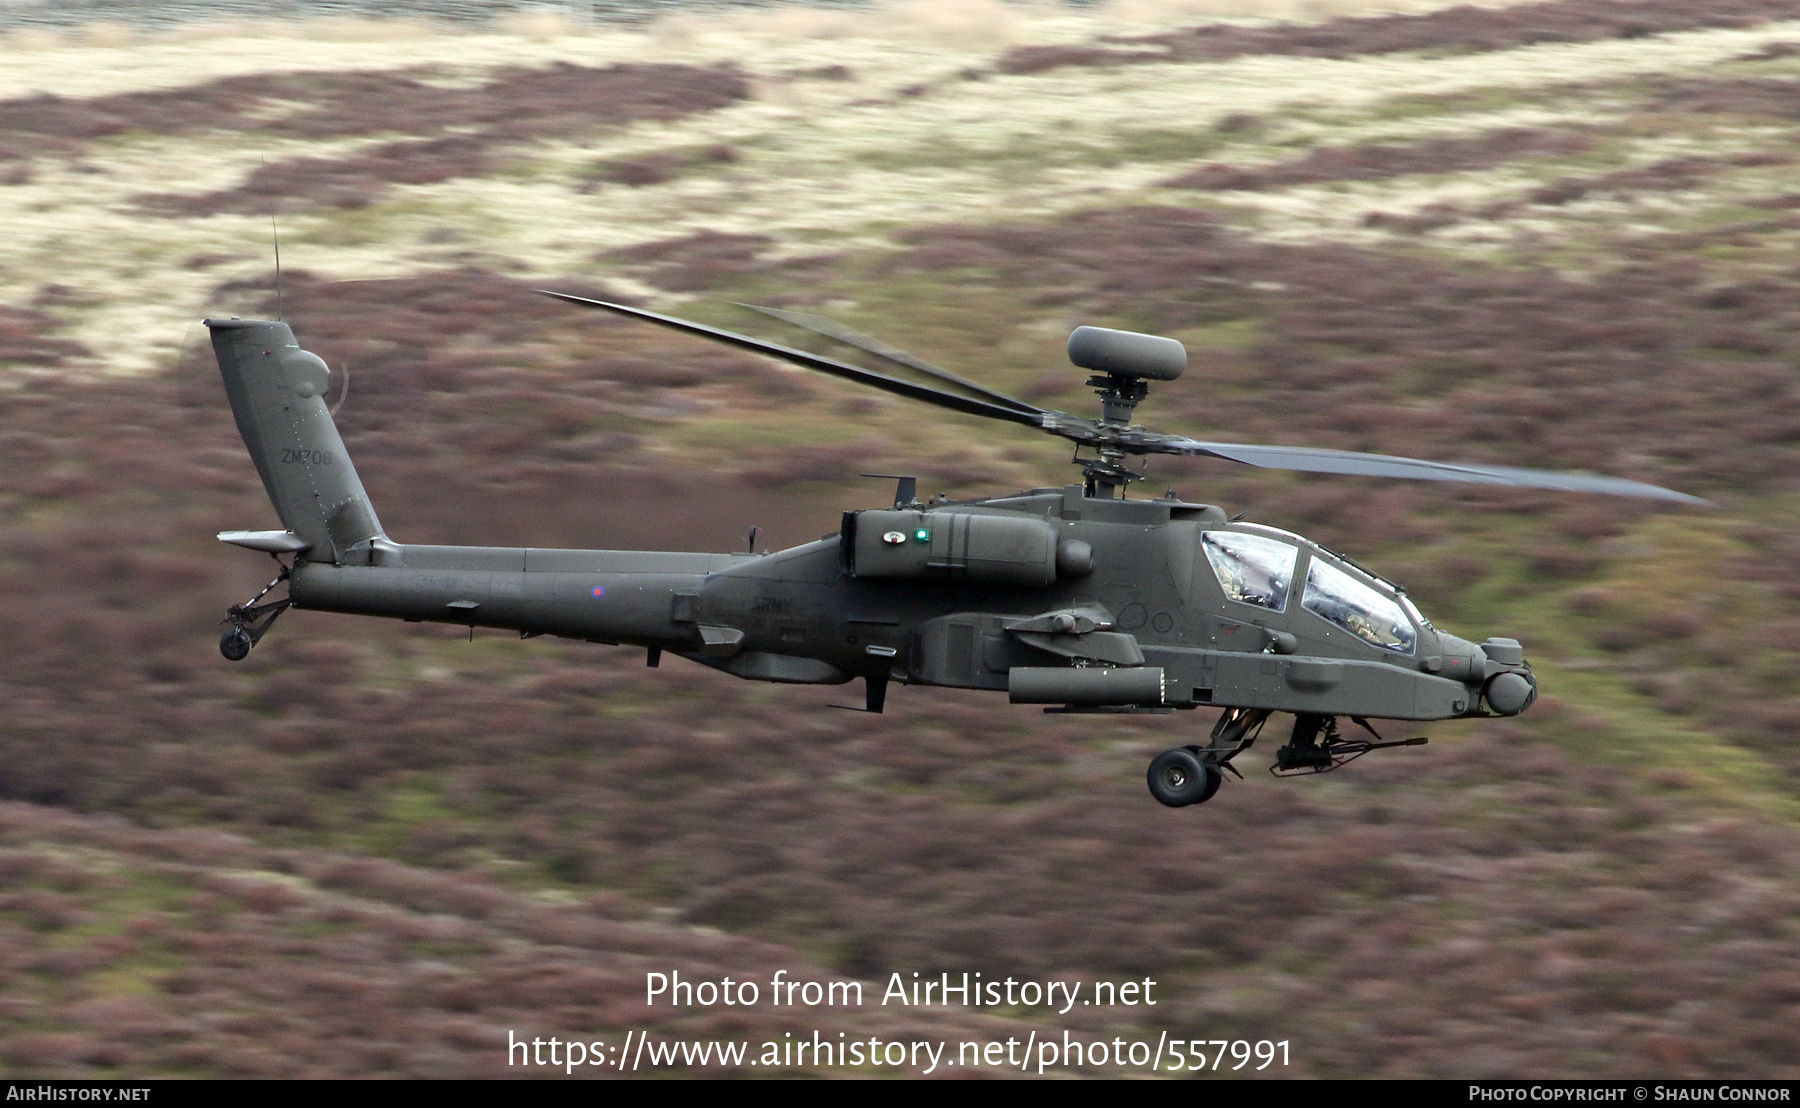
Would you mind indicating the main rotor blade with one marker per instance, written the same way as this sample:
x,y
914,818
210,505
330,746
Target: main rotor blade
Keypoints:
x,y
1315,460
849,336
964,404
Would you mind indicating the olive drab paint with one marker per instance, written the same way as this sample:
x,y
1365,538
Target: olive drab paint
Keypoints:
x,y
277,393
1075,597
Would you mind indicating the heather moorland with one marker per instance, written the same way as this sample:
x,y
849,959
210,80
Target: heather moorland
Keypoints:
x,y
1560,234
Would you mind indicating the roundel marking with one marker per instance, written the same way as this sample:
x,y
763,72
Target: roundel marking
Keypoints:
x,y
599,591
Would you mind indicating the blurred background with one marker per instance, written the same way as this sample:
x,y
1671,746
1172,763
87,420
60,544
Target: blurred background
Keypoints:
x,y
1559,234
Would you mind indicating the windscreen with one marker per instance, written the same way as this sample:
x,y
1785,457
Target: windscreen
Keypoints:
x,y
1358,608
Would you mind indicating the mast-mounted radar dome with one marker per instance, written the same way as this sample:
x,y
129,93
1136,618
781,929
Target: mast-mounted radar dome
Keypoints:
x,y
1127,353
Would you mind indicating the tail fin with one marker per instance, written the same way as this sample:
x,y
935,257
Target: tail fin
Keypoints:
x,y
277,393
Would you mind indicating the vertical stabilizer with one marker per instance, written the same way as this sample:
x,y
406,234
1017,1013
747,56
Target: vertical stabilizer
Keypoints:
x,y
277,393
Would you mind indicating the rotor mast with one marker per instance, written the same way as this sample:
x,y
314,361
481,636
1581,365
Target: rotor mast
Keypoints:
x,y
1106,476
1123,362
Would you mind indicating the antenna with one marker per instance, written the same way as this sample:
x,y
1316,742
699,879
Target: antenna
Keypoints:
x,y
275,232
906,489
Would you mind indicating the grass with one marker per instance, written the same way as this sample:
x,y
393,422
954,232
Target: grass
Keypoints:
x,y
974,224
1668,563
1004,137
1615,727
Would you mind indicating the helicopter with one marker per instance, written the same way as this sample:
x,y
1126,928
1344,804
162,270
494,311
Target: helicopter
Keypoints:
x,y
1078,598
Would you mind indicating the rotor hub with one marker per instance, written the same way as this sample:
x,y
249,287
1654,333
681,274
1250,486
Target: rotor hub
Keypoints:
x,y
1119,397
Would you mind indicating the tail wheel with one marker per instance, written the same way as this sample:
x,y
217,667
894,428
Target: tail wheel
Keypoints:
x,y
1178,778
235,644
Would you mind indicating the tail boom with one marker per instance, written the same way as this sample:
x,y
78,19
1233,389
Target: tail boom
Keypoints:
x,y
613,596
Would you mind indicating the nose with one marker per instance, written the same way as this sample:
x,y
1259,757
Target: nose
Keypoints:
x,y
1510,687
1495,671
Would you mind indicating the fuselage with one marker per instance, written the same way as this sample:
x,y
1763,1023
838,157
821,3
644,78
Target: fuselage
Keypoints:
x,y
1233,613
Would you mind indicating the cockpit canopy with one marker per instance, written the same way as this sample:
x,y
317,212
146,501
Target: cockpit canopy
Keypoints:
x,y
1259,570
1370,615
1250,568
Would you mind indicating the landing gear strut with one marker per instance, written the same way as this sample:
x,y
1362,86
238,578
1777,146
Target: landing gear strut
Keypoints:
x,y
1192,774
251,621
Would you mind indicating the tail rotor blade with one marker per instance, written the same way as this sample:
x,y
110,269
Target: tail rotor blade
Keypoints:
x,y
344,389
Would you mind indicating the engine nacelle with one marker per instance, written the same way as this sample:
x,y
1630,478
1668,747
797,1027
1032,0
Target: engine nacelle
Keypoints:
x,y
959,546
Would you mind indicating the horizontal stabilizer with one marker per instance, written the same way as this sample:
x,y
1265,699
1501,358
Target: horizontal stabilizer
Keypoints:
x,y
273,542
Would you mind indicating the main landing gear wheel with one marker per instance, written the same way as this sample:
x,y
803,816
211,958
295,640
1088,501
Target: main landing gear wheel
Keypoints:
x,y
1177,778
235,644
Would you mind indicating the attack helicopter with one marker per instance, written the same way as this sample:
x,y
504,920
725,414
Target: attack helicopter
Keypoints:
x,y
1077,598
